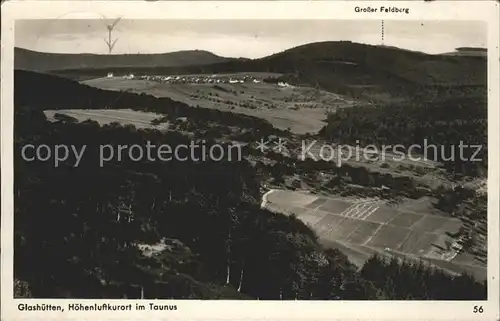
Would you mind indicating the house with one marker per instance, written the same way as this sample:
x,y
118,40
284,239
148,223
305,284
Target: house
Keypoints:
x,y
283,84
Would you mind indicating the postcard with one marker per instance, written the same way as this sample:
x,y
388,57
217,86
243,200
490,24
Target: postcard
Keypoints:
x,y
226,160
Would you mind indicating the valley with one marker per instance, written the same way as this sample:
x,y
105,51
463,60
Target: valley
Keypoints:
x,y
271,225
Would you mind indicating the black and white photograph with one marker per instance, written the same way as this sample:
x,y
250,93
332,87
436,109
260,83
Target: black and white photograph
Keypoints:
x,y
250,159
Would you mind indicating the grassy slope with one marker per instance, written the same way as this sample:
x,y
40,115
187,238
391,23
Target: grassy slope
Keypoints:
x,y
301,109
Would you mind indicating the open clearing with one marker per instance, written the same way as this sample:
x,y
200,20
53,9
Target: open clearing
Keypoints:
x,y
361,227
106,116
300,109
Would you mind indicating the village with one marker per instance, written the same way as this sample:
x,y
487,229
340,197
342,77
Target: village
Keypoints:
x,y
204,79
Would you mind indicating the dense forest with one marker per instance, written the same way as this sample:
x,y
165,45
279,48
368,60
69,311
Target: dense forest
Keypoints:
x,y
79,231
441,124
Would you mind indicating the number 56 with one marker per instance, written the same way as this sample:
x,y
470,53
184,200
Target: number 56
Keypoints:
x,y
477,309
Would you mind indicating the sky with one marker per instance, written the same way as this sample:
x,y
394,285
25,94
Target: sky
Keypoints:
x,y
242,38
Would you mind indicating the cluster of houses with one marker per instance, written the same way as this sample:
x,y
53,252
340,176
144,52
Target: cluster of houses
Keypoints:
x,y
190,79
193,79
198,79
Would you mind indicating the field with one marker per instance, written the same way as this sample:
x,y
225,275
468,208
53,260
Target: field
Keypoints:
x,y
106,116
361,227
300,109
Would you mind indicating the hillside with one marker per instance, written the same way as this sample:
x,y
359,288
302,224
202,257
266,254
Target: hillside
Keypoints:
x,y
344,67
54,93
40,61
386,63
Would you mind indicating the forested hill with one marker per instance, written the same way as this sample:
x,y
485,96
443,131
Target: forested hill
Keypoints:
x,y
40,61
348,68
383,62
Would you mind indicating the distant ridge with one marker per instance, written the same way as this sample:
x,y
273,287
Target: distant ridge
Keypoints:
x,y
41,61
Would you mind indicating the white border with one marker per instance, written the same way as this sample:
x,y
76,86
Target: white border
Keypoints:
x,y
487,11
